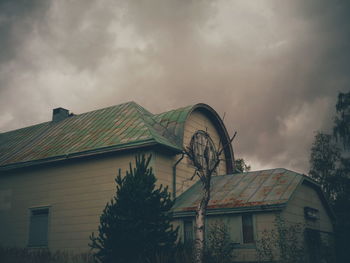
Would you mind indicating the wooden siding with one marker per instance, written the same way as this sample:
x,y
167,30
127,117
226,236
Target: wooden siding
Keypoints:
x,y
293,213
233,222
196,121
306,196
164,162
76,193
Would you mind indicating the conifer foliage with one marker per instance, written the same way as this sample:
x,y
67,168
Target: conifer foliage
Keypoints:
x,y
135,224
330,166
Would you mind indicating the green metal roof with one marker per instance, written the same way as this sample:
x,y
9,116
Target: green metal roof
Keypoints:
x,y
259,190
114,128
174,120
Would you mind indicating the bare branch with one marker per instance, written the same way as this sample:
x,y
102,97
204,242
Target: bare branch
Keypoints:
x,y
230,141
194,174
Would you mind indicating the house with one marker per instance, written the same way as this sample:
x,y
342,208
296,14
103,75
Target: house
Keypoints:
x,y
57,176
250,203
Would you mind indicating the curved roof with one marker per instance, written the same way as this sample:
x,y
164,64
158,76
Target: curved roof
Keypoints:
x,y
175,120
115,128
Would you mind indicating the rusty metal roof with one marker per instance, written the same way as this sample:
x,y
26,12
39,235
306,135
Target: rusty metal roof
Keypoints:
x,y
267,189
114,128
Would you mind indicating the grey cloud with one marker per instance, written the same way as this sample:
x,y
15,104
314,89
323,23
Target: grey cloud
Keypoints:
x,y
78,31
17,19
273,67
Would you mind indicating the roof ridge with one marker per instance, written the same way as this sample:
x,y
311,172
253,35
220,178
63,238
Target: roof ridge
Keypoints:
x,y
79,114
164,112
138,108
153,132
26,127
101,109
170,133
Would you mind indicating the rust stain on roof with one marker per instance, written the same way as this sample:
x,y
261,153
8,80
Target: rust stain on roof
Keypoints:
x,y
253,189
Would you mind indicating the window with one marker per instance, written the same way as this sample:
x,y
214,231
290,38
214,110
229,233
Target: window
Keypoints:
x,y
204,150
38,228
188,231
247,229
311,213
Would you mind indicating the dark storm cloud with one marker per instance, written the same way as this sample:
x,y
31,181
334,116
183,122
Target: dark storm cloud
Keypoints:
x,y
17,19
274,67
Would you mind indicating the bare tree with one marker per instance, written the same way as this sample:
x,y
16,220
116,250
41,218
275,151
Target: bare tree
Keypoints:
x,y
205,159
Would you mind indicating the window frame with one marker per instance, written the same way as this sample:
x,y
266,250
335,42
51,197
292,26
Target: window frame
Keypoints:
x,y
253,230
311,213
185,241
30,214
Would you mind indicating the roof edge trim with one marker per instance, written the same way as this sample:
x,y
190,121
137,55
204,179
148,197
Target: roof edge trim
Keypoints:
x,y
310,182
68,156
220,211
216,119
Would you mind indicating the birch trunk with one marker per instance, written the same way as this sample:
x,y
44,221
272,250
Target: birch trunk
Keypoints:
x,y
204,170
199,244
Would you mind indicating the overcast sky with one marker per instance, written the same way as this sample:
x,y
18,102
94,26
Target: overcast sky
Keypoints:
x,y
274,67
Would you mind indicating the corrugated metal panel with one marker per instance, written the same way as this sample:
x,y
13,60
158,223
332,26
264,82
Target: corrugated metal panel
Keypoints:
x,y
15,141
124,125
174,120
245,190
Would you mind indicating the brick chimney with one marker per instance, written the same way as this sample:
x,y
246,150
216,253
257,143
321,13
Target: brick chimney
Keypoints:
x,y
59,114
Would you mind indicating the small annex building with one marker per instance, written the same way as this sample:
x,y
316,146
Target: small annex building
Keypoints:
x,y
57,176
249,203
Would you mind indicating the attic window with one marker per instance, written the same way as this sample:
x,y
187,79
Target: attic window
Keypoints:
x,y
311,213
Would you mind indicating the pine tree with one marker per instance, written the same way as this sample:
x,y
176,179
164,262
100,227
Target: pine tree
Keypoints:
x,y
342,120
330,166
323,160
135,224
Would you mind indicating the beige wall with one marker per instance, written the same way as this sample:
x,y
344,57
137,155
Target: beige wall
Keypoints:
x,y
293,213
304,196
196,121
307,196
76,192
233,222
184,170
